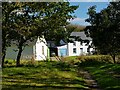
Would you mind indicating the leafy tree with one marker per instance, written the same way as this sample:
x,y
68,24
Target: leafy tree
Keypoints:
x,y
7,8
78,28
105,29
55,25
12,26
63,33
28,20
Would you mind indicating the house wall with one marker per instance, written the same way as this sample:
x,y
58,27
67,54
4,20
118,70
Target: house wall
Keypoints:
x,y
72,46
74,49
11,53
84,50
40,50
81,48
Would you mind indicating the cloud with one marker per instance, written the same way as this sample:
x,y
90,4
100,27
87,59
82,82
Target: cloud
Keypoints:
x,y
79,21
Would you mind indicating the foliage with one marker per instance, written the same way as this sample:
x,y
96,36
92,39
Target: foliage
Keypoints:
x,y
75,60
22,22
55,25
72,28
98,58
105,29
6,10
23,26
77,28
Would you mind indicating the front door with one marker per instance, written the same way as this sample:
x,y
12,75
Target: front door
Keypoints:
x,y
81,51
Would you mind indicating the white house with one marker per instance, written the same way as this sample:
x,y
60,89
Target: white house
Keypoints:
x,y
40,51
76,48
37,49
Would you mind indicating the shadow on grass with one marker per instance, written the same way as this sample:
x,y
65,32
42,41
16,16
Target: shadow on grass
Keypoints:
x,y
45,87
44,75
104,73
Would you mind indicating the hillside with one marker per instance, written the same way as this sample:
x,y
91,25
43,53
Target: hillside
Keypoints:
x,y
76,28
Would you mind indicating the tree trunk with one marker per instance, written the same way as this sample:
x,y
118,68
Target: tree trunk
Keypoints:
x,y
113,57
3,51
3,58
19,55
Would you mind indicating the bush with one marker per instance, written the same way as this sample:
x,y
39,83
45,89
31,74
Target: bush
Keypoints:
x,y
9,62
72,60
99,58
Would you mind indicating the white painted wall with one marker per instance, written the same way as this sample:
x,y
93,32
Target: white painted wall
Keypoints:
x,y
70,49
11,52
78,45
38,51
60,47
71,46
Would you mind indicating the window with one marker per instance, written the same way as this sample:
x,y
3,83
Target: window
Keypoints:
x,y
35,51
74,50
43,50
81,50
74,44
81,43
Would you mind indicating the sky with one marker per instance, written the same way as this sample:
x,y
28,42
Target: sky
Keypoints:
x,y
81,12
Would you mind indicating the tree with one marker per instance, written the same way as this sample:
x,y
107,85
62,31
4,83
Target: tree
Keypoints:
x,y
55,25
105,29
7,8
10,12
25,23
35,19
63,33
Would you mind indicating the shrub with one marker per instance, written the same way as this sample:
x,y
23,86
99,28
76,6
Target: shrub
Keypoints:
x,y
99,58
9,62
72,60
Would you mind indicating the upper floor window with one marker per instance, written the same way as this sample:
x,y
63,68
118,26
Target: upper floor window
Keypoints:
x,y
81,43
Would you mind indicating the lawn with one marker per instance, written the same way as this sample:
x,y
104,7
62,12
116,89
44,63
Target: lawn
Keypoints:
x,y
44,75
107,75
69,74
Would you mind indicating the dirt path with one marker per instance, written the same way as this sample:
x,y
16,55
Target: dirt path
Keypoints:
x,y
91,83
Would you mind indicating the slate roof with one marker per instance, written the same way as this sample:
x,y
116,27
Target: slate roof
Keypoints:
x,y
81,34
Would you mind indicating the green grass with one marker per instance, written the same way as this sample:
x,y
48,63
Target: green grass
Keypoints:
x,y
61,75
42,76
106,74
100,67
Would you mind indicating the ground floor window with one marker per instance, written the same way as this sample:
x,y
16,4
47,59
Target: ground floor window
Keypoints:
x,y
43,50
74,50
81,50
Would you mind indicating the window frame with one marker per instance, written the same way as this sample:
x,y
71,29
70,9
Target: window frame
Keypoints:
x,y
74,50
